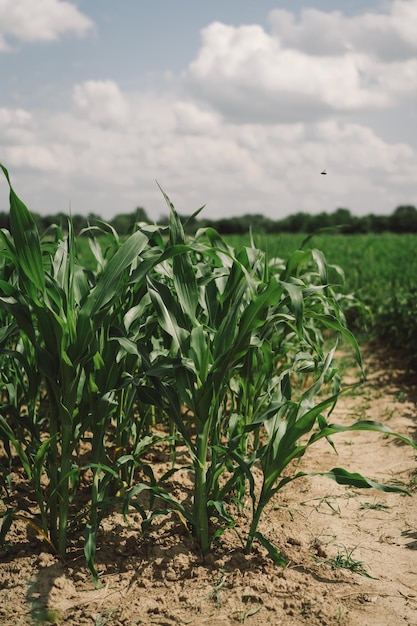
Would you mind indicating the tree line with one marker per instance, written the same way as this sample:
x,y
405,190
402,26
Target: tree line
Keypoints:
x,y
402,220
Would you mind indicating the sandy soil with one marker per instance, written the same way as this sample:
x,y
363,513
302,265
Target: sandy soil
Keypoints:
x,y
162,580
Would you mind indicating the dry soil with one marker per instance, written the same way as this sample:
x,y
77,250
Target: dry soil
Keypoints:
x,y
352,554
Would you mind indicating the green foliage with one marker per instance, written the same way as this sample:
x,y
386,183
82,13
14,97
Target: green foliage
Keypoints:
x,y
344,560
397,321
377,287
162,338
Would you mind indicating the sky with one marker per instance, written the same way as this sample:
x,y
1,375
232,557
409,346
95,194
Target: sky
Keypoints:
x,y
237,105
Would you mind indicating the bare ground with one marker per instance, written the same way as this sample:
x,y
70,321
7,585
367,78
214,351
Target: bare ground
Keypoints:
x,y
352,554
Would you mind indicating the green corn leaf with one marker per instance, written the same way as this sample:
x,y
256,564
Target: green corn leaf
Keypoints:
x,y
332,429
297,303
333,323
107,289
176,231
272,551
200,351
297,260
343,477
8,251
26,239
18,308
169,313
185,284
254,314
320,261
8,432
90,547
6,524
108,285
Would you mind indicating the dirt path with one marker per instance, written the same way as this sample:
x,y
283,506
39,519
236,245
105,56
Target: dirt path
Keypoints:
x,y
318,524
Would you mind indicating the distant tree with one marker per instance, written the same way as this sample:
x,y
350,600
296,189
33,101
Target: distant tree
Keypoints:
x,y
298,223
141,215
227,226
79,222
341,217
358,225
321,220
378,223
93,217
123,223
404,219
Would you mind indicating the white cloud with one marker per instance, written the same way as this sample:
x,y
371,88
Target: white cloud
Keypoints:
x,y
192,120
40,20
323,64
101,102
389,36
200,158
22,142
13,117
248,128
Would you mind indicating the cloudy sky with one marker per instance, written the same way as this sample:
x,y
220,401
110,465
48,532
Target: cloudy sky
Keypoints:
x,y
238,105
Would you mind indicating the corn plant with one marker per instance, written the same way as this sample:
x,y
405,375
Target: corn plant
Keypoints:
x,y
234,333
214,339
64,339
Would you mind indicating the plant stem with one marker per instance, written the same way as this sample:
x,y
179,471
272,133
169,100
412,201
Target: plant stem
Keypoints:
x,y
200,512
256,516
64,488
53,465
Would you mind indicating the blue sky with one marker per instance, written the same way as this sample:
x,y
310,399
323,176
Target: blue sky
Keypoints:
x,y
238,105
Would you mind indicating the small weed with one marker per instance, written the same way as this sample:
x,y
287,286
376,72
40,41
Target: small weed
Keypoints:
x,y
389,413
409,484
340,617
306,608
378,506
105,617
345,560
45,616
329,501
401,396
214,593
412,484
289,510
250,598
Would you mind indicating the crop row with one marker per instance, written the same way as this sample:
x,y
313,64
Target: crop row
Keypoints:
x,y
380,270
162,340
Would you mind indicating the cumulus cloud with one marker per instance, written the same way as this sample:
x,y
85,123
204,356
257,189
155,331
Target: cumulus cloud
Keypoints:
x,y
43,20
389,36
102,102
199,157
13,118
268,82
321,64
254,119
192,120
23,143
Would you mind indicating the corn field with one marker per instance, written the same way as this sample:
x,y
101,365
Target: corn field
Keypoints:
x,y
165,341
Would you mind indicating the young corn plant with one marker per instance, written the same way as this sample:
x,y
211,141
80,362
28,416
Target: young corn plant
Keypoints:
x,y
234,333
212,308
215,339
65,357
291,427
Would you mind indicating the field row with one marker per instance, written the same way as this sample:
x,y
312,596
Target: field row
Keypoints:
x,y
221,356
379,269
